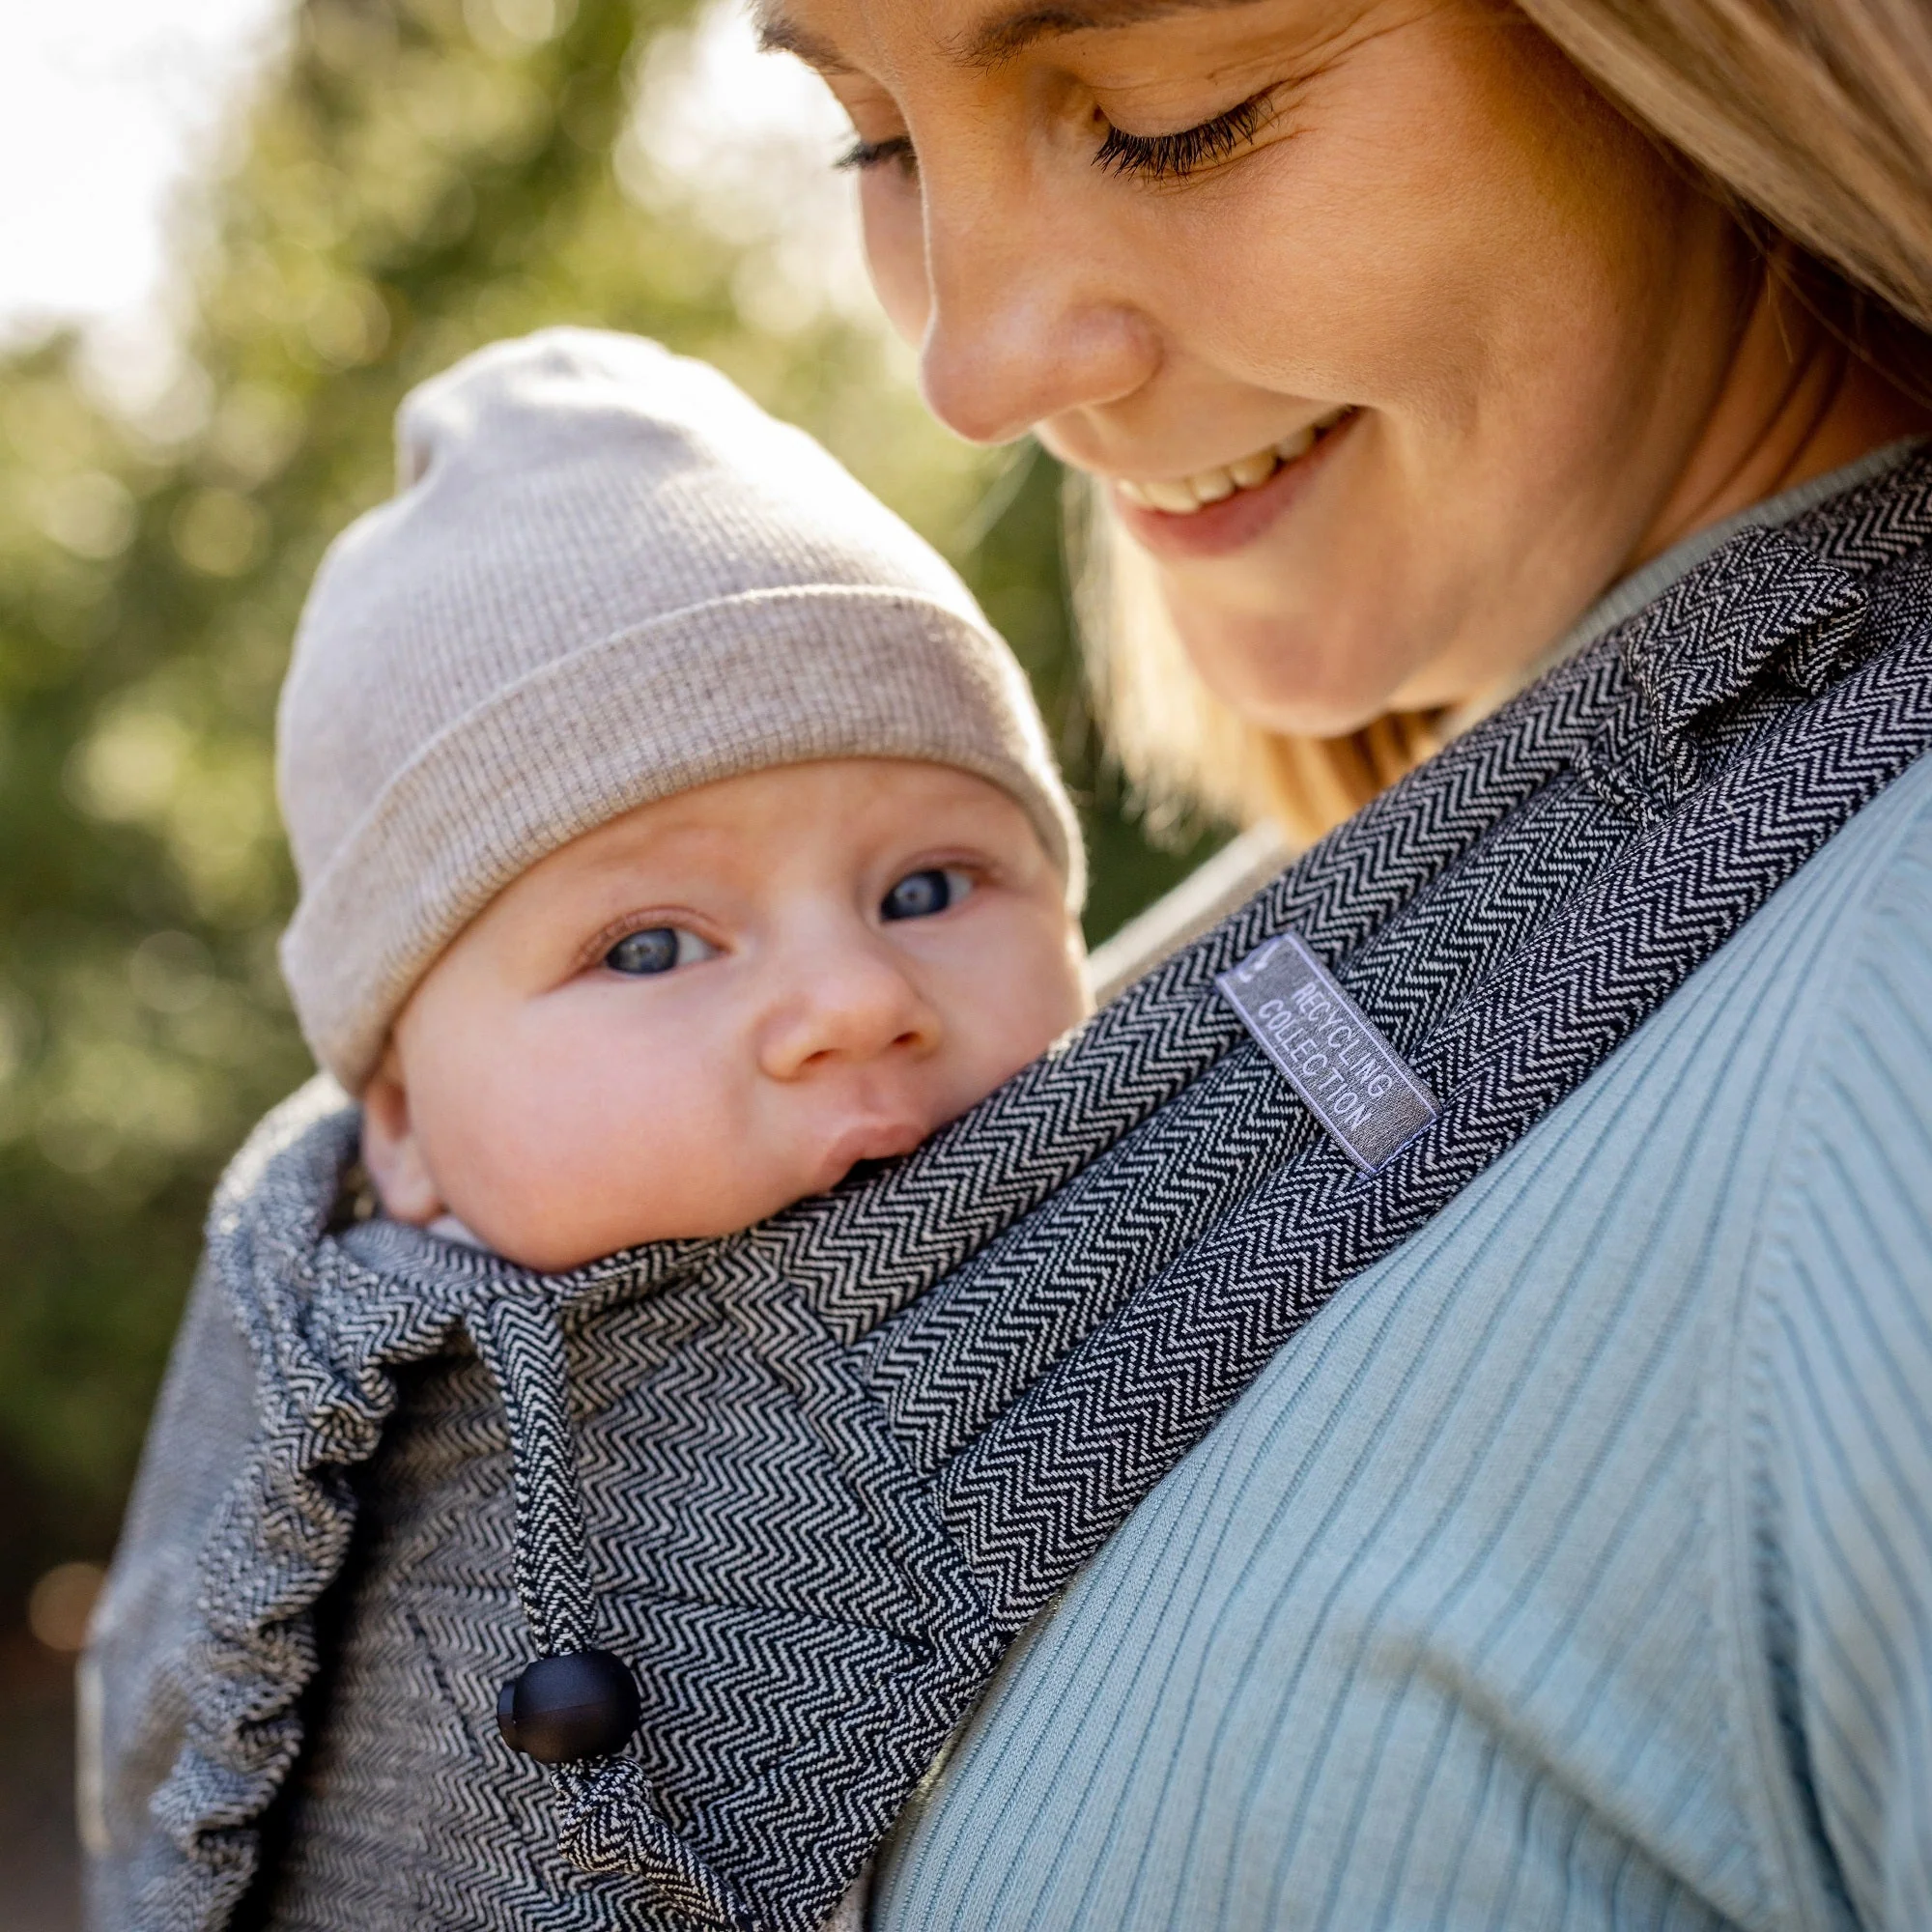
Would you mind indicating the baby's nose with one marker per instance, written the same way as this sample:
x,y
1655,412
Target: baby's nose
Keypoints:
x,y
852,1007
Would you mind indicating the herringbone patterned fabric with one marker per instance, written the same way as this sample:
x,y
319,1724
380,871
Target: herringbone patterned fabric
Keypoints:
x,y
810,1480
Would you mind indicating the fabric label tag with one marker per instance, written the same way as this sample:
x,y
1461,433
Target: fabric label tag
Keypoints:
x,y
1354,1082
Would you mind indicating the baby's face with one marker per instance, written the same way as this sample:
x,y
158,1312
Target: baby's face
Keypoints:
x,y
718,1004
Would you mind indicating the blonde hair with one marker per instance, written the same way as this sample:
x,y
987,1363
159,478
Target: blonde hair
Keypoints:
x,y
1814,118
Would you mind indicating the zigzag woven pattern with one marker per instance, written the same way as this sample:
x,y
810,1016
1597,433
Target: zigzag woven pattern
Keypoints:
x,y
810,1480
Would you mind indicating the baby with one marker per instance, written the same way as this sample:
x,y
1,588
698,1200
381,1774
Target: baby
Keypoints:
x,y
673,833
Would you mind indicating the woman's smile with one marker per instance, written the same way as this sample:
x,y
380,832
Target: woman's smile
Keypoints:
x,y
1182,496
1215,511
1146,230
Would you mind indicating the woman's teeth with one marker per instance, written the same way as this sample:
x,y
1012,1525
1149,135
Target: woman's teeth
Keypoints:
x,y
1182,496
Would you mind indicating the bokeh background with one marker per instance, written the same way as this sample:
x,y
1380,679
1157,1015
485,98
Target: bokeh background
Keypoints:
x,y
376,186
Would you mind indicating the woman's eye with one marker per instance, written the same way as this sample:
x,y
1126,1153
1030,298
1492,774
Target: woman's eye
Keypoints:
x,y
897,151
657,950
1173,157
920,895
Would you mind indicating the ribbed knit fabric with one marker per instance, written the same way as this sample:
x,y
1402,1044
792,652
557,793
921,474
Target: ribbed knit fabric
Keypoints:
x,y
1575,1567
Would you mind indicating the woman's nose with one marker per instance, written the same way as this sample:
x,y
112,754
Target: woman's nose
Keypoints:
x,y
846,1004
1022,326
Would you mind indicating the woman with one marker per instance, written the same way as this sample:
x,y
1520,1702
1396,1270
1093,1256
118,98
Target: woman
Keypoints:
x,y
1498,1495
1577,1566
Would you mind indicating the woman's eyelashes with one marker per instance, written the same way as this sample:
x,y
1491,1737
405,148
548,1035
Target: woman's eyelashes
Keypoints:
x,y
1173,157
919,894
658,948
1152,157
897,151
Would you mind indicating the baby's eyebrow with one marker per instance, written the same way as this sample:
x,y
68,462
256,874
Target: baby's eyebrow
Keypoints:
x,y
999,38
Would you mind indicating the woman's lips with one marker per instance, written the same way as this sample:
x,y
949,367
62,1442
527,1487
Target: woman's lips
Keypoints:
x,y
1216,528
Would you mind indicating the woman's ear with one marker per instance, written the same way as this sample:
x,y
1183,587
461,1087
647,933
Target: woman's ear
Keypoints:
x,y
391,1149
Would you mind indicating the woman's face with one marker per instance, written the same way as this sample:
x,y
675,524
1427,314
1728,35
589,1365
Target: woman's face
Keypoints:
x,y
1423,331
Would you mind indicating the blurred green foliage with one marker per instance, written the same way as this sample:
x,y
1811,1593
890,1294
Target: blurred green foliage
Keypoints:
x,y
411,178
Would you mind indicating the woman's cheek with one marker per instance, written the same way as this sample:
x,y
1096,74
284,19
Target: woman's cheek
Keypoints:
x,y
894,234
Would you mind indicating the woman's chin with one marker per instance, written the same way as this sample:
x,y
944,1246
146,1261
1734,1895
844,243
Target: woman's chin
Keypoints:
x,y
1282,681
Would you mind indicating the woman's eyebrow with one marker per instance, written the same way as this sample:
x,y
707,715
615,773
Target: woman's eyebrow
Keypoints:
x,y
1009,33
779,36
996,40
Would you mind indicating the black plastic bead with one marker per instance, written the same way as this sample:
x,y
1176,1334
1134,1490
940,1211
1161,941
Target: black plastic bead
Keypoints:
x,y
562,1708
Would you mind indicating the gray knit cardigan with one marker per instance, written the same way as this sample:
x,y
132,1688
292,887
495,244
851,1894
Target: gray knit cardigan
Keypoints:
x,y
808,1481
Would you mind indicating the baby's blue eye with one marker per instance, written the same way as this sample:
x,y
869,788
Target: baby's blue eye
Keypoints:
x,y
920,895
656,950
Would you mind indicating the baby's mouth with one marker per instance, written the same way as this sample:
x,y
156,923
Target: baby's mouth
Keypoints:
x,y
864,1148
1183,496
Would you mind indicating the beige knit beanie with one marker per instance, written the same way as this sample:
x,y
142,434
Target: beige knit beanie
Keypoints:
x,y
607,577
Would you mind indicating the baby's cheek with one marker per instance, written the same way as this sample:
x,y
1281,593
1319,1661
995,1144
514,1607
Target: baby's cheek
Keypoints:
x,y
516,1189
1023,998
625,1148
514,1144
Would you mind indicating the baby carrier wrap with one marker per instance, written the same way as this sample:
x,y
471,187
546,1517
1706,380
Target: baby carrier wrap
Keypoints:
x,y
808,1481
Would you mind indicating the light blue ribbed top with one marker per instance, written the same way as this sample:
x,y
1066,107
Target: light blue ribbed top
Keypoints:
x,y
1573,1568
